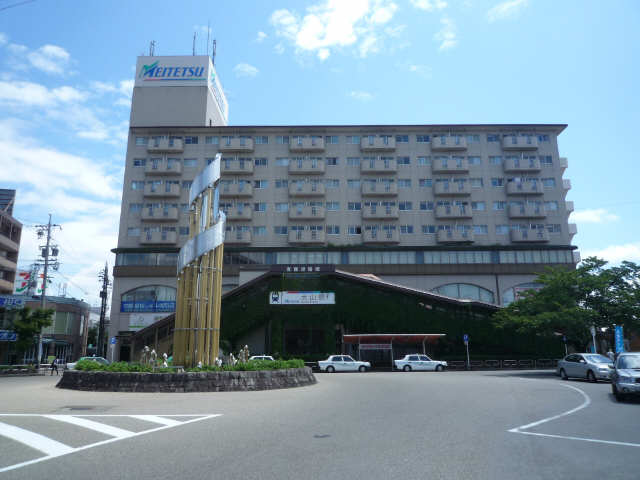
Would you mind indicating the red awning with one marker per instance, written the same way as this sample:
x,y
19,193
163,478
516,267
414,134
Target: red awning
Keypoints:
x,y
407,338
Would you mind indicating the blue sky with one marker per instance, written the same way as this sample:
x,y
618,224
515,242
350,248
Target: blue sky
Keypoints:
x,y
66,73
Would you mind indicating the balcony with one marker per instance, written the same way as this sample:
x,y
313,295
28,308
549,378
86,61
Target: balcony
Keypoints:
x,y
527,211
377,144
572,228
308,167
454,236
168,190
379,166
6,286
379,213
237,238
307,236
453,211
8,244
158,238
307,144
236,145
448,143
307,213
529,236
165,145
307,190
7,264
239,214
237,166
521,165
379,189
564,163
450,166
452,188
380,236
159,214
524,188
566,184
520,142
568,205
239,190
163,168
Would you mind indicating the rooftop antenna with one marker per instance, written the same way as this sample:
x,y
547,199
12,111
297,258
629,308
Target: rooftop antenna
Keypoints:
x,y
152,48
208,30
213,53
194,42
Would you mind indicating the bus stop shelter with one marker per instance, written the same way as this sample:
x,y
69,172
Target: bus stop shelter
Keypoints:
x,y
385,341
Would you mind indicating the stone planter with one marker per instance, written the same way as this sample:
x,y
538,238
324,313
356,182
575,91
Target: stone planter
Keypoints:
x,y
186,382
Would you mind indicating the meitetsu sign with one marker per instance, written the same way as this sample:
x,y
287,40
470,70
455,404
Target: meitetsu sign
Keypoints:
x,y
302,298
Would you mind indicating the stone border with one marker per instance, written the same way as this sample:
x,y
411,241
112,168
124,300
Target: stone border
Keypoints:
x,y
232,381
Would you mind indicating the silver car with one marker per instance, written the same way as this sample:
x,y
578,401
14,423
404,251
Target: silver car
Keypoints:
x,y
591,366
625,376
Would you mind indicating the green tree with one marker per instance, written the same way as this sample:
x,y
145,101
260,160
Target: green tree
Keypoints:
x,y
27,323
92,336
570,301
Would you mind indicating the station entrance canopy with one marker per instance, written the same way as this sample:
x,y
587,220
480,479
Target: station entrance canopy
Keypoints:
x,y
385,341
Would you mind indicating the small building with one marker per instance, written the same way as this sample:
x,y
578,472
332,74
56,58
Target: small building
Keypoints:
x,y
66,337
10,232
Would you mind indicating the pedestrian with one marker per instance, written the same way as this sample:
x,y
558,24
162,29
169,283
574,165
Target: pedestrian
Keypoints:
x,y
54,366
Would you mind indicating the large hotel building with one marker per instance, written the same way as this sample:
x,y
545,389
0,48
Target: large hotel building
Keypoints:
x,y
466,211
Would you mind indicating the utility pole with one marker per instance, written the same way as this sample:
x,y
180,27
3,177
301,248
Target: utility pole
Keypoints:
x,y
104,276
47,252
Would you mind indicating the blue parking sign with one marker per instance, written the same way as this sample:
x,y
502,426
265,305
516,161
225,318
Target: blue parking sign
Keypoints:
x,y
465,338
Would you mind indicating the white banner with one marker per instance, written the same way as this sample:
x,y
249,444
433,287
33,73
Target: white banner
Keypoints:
x,y
137,321
302,298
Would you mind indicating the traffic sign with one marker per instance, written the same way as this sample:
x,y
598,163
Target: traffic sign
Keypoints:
x,y
465,338
113,340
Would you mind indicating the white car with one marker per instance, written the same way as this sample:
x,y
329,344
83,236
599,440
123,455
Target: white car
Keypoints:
x,y
419,362
342,363
268,358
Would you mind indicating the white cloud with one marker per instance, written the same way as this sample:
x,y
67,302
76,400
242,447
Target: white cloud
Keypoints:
x,y
245,70
616,253
17,49
506,10
3,39
446,36
360,95
50,59
421,70
260,37
124,89
597,215
429,5
336,24
279,48
34,94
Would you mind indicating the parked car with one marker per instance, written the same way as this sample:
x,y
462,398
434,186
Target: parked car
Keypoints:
x,y
625,375
419,362
342,363
591,366
268,358
101,360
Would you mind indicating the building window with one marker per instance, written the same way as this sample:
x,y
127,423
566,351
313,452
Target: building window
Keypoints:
x,y
466,291
282,139
427,206
280,229
402,138
133,232
353,139
549,182
500,205
183,230
211,140
422,138
481,229
260,207
554,228
353,161
258,184
546,160
333,206
551,206
354,230
192,140
497,182
282,183
141,141
353,183
474,160
543,138
425,182
404,161
404,183
405,206
332,183
332,161
492,137
210,161
137,185
135,207
502,229
190,162
473,138
478,206
428,229
187,183
153,298
354,206
406,229
331,139
260,162
495,160
261,140
260,231
424,161
333,229
282,162
282,207
139,162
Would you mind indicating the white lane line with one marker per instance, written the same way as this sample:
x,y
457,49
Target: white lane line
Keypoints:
x,y
34,440
91,425
157,419
585,404
104,442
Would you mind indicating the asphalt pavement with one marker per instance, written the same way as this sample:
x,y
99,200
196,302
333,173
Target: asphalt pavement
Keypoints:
x,y
376,425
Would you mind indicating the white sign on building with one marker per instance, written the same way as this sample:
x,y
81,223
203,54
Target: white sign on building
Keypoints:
x,y
302,298
138,321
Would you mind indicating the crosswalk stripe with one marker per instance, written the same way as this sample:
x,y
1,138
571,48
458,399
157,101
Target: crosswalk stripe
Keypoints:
x,y
91,425
34,440
157,419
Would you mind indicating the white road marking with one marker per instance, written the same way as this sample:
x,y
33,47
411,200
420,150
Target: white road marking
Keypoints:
x,y
56,449
34,440
157,419
91,425
585,404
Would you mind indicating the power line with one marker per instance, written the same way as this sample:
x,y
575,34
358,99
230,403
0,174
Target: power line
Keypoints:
x,y
16,5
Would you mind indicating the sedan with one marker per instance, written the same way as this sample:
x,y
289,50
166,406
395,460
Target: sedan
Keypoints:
x,y
100,360
419,362
625,376
591,366
268,358
342,363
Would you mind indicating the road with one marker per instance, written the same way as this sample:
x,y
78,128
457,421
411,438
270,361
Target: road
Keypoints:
x,y
379,425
